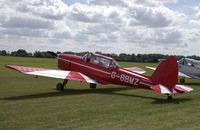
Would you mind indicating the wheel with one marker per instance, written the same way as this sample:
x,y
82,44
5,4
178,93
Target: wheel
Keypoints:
x,y
60,86
93,86
182,80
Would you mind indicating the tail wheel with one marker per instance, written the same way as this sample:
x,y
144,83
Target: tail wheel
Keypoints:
x,y
93,86
182,80
60,86
169,97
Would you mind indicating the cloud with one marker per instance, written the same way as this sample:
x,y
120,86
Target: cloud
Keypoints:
x,y
26,22
130,26
49,9
108,2
41,18
152,3
152,16
196,20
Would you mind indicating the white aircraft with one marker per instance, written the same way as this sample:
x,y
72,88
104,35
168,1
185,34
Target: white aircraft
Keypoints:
x,y
188,68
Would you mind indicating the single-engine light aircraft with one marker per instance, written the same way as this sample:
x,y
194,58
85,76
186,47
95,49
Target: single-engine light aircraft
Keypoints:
x,y
94,68
188,68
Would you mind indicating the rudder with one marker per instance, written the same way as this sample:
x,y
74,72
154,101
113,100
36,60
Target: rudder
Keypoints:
x,y
166,73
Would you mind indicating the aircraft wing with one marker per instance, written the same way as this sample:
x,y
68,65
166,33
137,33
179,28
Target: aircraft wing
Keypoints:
x,y
179,73
59,74
183,75
136,70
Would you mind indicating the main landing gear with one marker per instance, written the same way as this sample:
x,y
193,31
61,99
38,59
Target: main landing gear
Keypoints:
x,y
61,86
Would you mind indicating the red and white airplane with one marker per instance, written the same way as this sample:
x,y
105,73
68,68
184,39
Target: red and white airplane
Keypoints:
x,y
94,68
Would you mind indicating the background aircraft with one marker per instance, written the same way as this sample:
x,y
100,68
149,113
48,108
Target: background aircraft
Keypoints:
x,y
188,68
94,68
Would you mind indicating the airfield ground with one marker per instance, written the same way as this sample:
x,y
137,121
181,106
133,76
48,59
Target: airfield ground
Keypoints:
x,y
34,104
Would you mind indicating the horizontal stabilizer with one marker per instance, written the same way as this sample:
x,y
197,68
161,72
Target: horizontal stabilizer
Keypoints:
x,y
176,89
182,88
161,89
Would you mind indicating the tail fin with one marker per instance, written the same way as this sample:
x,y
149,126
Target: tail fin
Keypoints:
x,y
166,73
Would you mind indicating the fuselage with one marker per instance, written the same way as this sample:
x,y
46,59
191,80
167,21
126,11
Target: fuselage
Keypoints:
x,y
104,74
189,67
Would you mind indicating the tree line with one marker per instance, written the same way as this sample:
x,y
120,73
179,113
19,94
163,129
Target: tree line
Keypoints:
x,y
123,57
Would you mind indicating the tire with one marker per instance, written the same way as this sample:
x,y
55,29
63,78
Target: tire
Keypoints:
x,y
169,98
60,86
182,80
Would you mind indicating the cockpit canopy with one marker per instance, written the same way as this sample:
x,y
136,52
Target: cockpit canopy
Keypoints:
x,y
100,60
189,62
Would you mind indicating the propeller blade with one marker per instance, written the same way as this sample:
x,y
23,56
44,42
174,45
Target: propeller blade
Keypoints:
x,y
52,53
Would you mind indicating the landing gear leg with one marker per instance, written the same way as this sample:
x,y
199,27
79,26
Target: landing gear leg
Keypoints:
x,y
169,97
182,80
93,86
65,82
60,86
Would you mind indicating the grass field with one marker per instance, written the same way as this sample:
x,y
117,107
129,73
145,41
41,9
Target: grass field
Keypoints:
x,y
27,103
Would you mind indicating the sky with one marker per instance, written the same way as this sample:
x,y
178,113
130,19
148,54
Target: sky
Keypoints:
x,y
110,26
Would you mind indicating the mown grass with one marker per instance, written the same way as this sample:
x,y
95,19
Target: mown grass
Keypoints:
x,y
34,104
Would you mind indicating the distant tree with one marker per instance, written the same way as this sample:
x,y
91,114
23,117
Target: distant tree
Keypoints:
x,y
37,54
194,57
133,58
29,54
69,52
121,57
21,52
42,54
139,58
3,53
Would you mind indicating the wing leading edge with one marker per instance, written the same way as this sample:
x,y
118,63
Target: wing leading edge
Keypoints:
x,y
59,74
180,74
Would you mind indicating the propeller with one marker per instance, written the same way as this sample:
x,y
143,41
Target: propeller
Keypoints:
x,y
52,53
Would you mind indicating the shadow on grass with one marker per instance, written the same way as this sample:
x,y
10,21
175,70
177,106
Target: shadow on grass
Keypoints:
x,y
157,100
195,83
106,91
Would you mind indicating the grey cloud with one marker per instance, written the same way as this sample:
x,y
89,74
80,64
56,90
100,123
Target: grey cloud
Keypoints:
x,y
147,37
91,14
152,2
81,37
50,9
146,16
27,22
84,13
103,32
62,35
25,32
167,36
106,28
108,2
